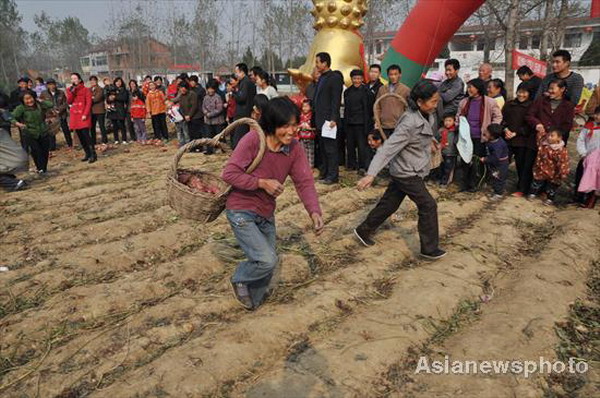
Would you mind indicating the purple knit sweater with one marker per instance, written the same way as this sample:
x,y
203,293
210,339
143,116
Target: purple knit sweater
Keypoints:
x,y
246,195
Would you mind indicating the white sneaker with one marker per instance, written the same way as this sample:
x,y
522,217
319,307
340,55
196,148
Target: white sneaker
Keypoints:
x,y
125,143
116,142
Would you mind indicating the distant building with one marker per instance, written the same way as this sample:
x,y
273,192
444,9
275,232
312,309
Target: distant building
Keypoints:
x,y
127,59
467,45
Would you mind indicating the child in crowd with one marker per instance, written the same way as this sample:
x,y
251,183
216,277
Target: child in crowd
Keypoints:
x,y
138,117
496,158
157,109
306,133
448,137
212,109
551,164
375,142
496,90
230,103
588,168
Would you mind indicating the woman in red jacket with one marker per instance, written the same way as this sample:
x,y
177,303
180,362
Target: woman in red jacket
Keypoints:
x,y
79,97
553,111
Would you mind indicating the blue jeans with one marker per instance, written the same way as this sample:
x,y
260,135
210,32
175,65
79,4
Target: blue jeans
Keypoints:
x,y
256,237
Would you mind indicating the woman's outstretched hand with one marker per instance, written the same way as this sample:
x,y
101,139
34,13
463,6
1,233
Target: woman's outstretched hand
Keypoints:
x,y
318,223
365,182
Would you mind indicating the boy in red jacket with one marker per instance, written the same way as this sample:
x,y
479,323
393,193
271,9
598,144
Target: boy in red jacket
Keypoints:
x,y
138,117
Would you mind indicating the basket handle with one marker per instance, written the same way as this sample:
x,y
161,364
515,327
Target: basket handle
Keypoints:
x,y
190,146
215,142
377,115
253,124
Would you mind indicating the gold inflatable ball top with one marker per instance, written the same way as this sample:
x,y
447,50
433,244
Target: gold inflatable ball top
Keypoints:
x,y
344,14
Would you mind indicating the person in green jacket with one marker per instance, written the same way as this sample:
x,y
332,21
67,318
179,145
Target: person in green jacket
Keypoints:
x,y
30,116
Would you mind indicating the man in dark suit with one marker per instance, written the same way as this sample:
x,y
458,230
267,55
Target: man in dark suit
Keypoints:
x,y
243,94
327,101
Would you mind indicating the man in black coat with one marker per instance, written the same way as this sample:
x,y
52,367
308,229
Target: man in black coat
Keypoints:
x,y
328,96
375,79
358,113
243,94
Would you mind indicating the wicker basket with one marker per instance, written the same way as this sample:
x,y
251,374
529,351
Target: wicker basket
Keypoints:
x,y
376,112
53,122
202,206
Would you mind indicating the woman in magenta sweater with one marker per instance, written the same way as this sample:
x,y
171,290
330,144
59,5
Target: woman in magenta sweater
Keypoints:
x,y
251,204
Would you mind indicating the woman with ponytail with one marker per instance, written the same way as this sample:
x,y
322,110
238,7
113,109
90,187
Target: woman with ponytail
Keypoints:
x,y
408,153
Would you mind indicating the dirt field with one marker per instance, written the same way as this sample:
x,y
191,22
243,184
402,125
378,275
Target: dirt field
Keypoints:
x,y
111,294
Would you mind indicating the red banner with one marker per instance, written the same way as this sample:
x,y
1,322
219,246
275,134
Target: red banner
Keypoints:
x,y
595,11
519,59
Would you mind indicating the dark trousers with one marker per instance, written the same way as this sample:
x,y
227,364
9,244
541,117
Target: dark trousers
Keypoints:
x,y
101,120
538,185
341,143
39,148
119,125
129,127
329,159
8,182
398,189
579,197
356,139
64,126
447,168
524,160
86,142
196,128
469,170
211,130
159,126
498,177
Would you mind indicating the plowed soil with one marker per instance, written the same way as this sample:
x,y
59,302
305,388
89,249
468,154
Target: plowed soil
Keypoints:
x,y
110,293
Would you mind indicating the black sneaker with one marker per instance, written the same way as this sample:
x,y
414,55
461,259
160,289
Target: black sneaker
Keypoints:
x,y
365,240
242,295
435,255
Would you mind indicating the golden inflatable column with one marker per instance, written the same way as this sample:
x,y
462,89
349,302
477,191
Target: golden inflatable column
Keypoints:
x,y
337,23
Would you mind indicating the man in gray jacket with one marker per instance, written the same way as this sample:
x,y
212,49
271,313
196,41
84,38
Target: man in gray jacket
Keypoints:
x,y
452,90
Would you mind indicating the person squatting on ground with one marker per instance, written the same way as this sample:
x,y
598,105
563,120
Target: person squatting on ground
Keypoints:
x,y
408,151
250,206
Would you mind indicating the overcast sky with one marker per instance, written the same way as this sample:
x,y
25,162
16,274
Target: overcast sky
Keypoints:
x,y
93,14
